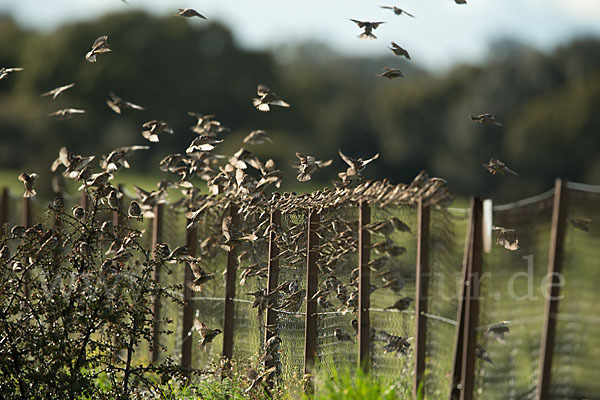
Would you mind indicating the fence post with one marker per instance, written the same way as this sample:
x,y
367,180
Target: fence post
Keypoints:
x,y
27,212
230,278
468,314
116,215
272,268
559,214
157,230
364,286
312,282
4,206
422,293
188,308
83,202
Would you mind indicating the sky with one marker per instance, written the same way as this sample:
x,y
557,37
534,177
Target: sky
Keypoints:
x,y
441,34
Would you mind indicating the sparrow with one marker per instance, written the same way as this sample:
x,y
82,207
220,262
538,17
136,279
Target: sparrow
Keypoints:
x,y
581,223
507,238
267,97
498,330
116,158
134,211
399,51
396,344
401,304
117,104
308,166
114,199
390,73
100,46
154,128
5,71
202,143
342,337
78,212
189,12
257,137
205,332
486,119
258,378
357,164
73,162
58,91
28,180
495,166
66,113
482,353
368,27
200,277
233,235
460,1
397,11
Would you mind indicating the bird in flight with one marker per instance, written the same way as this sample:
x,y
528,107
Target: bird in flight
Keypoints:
x,y
58,91
154,128
486,119
368,27
28,180
495,165
100,46
390,73
5,71
257,137
205,332
399,51
460,1
267,97
117,104
66,113
308,166
397,11
189,12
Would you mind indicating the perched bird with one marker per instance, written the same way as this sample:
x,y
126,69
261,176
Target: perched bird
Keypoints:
x,y
5,71
205,332
397,11
498,330
258,378
293,302
507,238
396,344
368,27
581,223
482,353
66,113
134,211
342,337
28,180
401,304
495,166
189,12
117,104
100,46
58,91
486,119
200,277
114,199
267,97
399,51
308,166
390,73
78,212
257,137
154,128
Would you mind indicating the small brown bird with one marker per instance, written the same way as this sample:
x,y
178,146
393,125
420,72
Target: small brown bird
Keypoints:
x,y
117,104
507,238
205,332
495,166
28,180
368,27
308,166
267,97
460,1
78,212
498,330
189,12
5,71
357,164
100,46
486,119
397,11
390,73
342,337
399,51
581,223
482,353
401,304
58,91
154,128
200,277
257,137
134,211
66,113
202,143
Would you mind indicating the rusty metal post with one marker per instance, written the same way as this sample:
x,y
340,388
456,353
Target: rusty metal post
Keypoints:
x,y
157,231
422,293
364,286
312,282
230,278
4,206
83,202
188,306
559,215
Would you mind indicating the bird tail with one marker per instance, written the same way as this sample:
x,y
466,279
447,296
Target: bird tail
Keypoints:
x,y
368,36
90,56
29,193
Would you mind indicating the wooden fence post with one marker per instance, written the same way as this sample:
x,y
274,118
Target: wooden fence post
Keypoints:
x,y
188,307
559,215
364,286
116,215
4,206
312,282
272,268
83,202
229,309
157,230
27,212
421,296
468,314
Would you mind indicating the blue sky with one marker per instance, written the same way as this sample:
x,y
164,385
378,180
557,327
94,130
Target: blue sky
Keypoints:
x,y
442,34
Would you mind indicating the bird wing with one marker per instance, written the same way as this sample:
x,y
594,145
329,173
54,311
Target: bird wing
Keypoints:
x,y
375,157
202,329
347,159
100,41
113,106
360,24
376,24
